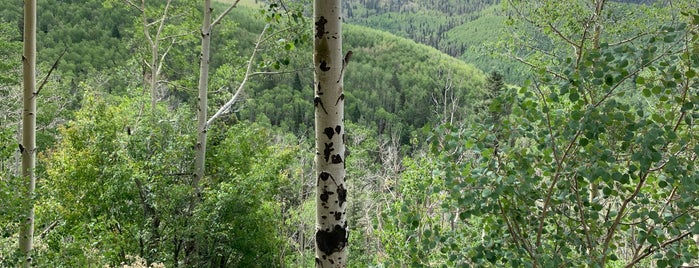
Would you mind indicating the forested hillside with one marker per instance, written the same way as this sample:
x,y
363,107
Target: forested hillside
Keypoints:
x,y
98,145
479,134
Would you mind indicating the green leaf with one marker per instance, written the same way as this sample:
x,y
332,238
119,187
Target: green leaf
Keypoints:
x,y
607,191
640,80
584,141
623,64
609,80
669,38
574,96
688,106
486,192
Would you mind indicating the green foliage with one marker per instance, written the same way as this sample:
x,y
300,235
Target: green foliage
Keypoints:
x,y
117,186
588,167
10,49
392,84
239,213
91,34
425,22
412,225
590,163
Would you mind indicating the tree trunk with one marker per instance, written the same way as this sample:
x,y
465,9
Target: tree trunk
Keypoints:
x,y
155,63
203,98
28,146
202,122
331,224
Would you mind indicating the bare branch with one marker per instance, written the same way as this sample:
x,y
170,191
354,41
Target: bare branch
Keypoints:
x,y
565,38
280,72
128,2
176,35
218,19
162,21
162,58
46,78
233,99
520,59
629,39
154,22
48,229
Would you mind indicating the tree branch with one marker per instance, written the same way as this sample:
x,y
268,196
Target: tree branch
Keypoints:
x,y
228,104
650,250
218,19
565,38
128,2
48,229
53,67
620,213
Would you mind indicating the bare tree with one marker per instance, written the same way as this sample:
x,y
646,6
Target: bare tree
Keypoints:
x,y
157,59
27,147
202,125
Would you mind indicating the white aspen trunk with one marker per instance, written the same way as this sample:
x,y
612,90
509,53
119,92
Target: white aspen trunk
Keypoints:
x,y
331,223
202,122
199,161
28,146
156,61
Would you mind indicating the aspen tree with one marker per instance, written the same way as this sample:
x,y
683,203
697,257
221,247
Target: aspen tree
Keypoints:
x,y
28,145
331,201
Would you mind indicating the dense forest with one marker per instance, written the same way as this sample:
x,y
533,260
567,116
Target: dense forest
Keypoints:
x,y
479,134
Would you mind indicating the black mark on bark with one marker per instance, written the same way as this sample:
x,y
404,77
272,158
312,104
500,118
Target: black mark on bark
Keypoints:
x,y
341,98
325,195
338,216
338,129
324,176
337,159
333,241
324,66
341,194
329,132
21,149
328,149
320,27
317,101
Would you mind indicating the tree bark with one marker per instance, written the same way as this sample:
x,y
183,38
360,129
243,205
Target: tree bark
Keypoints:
x,y
155,64
331,223
203,99
202,123
28,146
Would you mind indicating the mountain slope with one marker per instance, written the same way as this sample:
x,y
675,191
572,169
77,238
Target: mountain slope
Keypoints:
x,y
392,84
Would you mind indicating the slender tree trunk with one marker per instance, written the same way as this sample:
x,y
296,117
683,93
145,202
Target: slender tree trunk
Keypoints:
x,y
28,146
203,98
202,107
156,61
331,223
202,122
